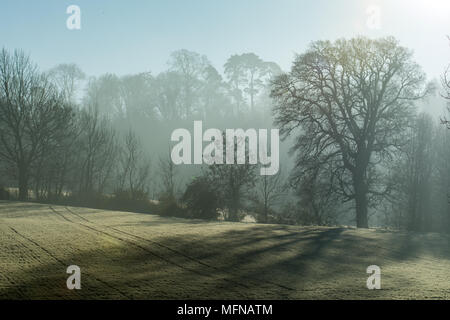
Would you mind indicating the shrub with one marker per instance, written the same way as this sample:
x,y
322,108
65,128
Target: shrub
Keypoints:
x,y
4,194
169,206
128,201
201,200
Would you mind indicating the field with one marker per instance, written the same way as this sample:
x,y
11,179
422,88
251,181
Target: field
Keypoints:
x,y
140,256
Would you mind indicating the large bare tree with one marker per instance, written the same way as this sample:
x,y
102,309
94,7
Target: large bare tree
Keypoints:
x,y
349,102
33,115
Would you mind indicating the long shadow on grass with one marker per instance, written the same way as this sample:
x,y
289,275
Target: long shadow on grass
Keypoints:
x,y
260,262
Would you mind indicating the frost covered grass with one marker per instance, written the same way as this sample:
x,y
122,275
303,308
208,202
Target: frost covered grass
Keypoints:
x,y
125,255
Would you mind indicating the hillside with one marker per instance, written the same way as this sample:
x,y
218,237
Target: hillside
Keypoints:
x,y
126,255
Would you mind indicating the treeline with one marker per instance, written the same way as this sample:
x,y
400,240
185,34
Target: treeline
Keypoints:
x,y
347,110
420,195
109,147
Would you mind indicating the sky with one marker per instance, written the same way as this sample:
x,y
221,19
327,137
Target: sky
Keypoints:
x,y
133,36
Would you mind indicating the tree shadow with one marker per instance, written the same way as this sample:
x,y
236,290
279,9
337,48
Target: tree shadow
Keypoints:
x,y
260,262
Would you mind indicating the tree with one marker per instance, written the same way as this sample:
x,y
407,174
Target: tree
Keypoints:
x,y
442,178
135,95
134,168
97,152
167,96
214,99
105,93
232,181
67,77
51,172
419,166
268,192
235,75
168,172
246,73
33,115
317,203
412,176
349,103
446,81
191,67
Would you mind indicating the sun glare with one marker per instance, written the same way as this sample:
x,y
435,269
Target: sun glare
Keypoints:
x,y
429,8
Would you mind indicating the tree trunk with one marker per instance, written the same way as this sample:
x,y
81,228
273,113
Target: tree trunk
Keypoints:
x,y
23,183
361,202
233,214
266,214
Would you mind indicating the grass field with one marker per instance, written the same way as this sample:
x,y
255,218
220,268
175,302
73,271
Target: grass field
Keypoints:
x,y
139,256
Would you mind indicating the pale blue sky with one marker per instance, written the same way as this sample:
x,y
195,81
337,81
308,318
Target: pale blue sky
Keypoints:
x,y
133,36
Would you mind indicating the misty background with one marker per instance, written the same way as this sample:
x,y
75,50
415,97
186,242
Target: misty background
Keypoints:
x,y
132,76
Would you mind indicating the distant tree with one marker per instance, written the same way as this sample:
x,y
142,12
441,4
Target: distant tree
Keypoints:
x,y
349,102
235,75
246,73
441,182
135,94
33,114
214,100
191,67
318,203
67,78
52,171
446,83
269,190
419,165
168,173
446,80
104,93
167,96
97,151
134,168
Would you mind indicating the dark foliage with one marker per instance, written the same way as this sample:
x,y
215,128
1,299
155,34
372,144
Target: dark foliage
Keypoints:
x,y
201,200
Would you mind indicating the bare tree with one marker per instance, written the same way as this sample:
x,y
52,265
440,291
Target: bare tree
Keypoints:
x,y
446,83
135,93
67,78
412,175
419,169
134,168
191,67
97,153
268,192
104,93
349,102
32,115
52,171
167,96
446,80
441,184
318,203
168,172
